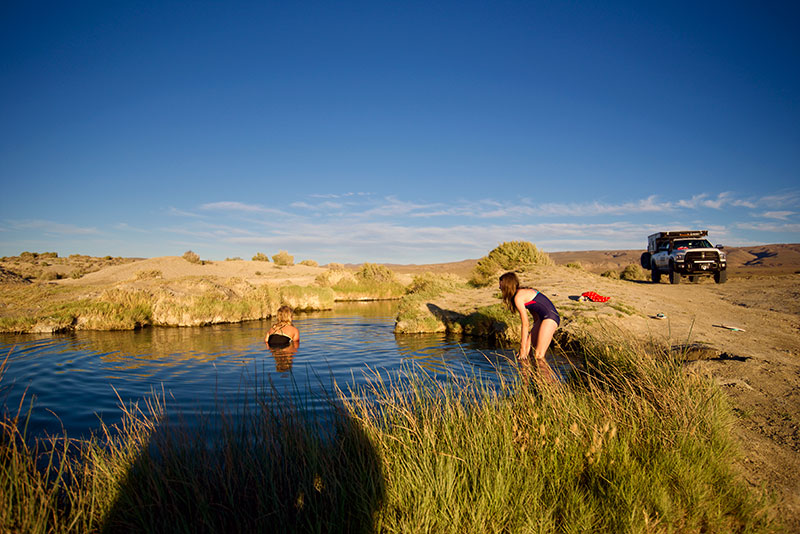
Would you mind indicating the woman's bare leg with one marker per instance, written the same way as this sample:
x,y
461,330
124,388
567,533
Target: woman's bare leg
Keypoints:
x,y
542,334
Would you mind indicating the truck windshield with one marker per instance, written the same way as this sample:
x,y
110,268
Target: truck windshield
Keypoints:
x,y
692,243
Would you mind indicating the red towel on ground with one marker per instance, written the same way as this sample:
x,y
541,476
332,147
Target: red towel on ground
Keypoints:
x,y
594,297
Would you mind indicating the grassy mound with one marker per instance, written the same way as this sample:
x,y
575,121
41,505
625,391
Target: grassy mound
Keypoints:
x,y
507,256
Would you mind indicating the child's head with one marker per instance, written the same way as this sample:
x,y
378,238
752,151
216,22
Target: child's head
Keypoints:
x,y
509,283
284,314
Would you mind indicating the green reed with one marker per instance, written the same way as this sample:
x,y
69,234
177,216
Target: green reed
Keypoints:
x,y
629,443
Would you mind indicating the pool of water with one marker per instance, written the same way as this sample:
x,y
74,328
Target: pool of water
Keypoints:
x,y
79,378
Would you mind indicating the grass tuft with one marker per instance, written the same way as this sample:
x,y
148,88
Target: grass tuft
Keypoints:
x,y
191,257
283,258
507,256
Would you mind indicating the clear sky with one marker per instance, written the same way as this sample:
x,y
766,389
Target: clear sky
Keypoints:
x,y
403,132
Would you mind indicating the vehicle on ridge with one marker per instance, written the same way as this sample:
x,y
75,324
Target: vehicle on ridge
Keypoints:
x,y
684,253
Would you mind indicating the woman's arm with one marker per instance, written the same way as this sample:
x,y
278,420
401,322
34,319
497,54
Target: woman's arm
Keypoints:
x,y
525,339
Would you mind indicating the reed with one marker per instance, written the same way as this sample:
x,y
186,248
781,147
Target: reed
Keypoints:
x,y
631,443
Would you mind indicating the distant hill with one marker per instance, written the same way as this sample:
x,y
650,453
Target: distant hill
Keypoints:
x,y
757,259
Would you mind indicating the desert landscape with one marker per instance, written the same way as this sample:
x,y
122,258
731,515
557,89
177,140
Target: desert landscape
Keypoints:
x,y
743,334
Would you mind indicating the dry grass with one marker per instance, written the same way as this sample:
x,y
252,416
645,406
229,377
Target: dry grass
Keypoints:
x,y
283,258
631,443
505,257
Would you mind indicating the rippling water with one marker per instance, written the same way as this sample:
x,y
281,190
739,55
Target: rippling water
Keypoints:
x,y
75,378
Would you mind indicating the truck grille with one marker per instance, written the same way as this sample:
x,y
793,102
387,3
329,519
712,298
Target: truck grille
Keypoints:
x,y
701,261
701,255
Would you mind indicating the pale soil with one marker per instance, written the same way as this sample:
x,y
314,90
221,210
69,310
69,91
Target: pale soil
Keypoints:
x,y
171,267
758,368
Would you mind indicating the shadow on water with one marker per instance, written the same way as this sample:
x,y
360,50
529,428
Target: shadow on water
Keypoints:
x,y
476,323
274,468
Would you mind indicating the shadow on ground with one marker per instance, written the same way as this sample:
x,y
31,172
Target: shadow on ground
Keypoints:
x,y
271,471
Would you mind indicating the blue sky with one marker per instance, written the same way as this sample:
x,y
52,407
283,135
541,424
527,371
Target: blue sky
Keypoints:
x,y
403,132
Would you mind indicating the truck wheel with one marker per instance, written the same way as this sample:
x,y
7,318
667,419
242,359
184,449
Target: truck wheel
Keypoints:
x,y
645,260
655,274
674,276
721,277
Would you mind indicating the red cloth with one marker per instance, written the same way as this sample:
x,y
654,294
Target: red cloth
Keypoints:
x,y
594,297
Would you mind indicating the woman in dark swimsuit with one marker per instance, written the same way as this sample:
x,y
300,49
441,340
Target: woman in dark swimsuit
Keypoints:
x,y
545,320
283,332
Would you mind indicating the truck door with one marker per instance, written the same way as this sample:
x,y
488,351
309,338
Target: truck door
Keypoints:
x,y
662,256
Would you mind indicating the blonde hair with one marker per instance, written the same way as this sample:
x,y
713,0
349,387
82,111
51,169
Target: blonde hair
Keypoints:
x,y
509,284
285,314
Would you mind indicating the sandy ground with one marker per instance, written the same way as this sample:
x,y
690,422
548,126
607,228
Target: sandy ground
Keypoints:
x,y
758,366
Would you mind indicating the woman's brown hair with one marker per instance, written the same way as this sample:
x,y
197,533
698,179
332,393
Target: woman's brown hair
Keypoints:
x,y
509,284
285,314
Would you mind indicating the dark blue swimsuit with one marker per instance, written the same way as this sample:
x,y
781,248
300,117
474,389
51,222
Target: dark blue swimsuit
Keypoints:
x,y
542,307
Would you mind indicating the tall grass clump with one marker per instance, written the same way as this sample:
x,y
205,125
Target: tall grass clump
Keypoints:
x,y
632,272
260,256
283,258
633,444
432,284
191,257
309,263
611,273
507,256
370,282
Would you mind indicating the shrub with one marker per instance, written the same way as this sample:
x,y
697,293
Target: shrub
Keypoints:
x,y
191,257
309,263
260,257
283,258
77,273
49,275
611,273
632,272
333,266
331,277
374,272
574,265
432,285
28,256
507,256
235,258
147,275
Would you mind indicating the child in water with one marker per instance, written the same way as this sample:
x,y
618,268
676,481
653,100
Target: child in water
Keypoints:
x,y
545,320
283,332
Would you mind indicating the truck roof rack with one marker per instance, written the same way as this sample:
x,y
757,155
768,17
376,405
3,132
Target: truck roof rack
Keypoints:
x,y
679,234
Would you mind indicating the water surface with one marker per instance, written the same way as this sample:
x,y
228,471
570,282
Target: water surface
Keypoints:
x,y
80,377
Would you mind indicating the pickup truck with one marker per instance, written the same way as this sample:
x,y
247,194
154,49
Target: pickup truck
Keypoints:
x,y
684,253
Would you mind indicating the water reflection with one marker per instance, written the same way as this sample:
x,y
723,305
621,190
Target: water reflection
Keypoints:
x,y
283,356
